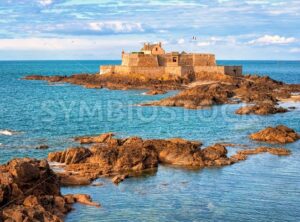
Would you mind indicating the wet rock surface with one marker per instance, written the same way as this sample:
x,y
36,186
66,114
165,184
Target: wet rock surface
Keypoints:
x,y
30,191
261,109
278,134
122,158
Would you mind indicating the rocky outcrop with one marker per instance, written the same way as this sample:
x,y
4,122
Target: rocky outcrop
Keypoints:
x,y
80,198
71,156
261,109
30,191
122,158
199,96
248,89
113,156
94,139
114,81
278,134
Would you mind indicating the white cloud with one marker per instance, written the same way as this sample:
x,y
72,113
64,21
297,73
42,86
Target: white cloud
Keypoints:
x,y
53,44
217,40
272,40
180,41
116,26
201,44
45,2
295,50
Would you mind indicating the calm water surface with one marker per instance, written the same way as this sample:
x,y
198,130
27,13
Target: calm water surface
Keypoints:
x,y
263,188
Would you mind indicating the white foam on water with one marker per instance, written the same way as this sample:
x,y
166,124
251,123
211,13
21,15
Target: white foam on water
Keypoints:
x,y
290,104
7,132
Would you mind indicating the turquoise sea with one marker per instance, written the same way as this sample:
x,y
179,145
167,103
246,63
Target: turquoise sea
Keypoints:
x,y
262,188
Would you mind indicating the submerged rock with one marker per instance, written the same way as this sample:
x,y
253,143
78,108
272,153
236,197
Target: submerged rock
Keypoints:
x,y
261,109
278,134
263,149
42,147
156,92
119,178
81,198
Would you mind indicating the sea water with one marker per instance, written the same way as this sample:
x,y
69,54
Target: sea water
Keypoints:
x,y
262,188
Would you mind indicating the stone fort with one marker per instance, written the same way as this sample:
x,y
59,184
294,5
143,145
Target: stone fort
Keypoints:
x,y
153,62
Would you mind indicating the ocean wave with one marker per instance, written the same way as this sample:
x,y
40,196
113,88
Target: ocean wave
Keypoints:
x,y
56,84
7,132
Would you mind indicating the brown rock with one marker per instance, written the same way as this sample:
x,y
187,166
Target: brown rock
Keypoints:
x,y
119,178
279,134
23,170
85,199
94,139
70,156
28,188
261,109
177,151
214,152
74,180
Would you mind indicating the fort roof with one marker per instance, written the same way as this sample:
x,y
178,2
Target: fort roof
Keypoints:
x,y
148,47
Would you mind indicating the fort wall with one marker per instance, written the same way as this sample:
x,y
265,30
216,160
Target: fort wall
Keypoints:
x,y
204,60
198,72
136,59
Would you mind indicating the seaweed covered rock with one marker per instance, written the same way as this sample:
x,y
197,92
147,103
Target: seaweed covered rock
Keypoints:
x,y
278,134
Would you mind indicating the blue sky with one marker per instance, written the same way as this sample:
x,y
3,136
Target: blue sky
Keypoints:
x,y
100,29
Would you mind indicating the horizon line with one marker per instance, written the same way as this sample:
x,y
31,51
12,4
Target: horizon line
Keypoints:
x,y
41,60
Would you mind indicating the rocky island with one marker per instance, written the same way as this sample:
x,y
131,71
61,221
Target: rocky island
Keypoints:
x,y
202,82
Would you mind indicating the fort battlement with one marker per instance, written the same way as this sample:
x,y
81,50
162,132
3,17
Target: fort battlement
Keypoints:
x,y
152,61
